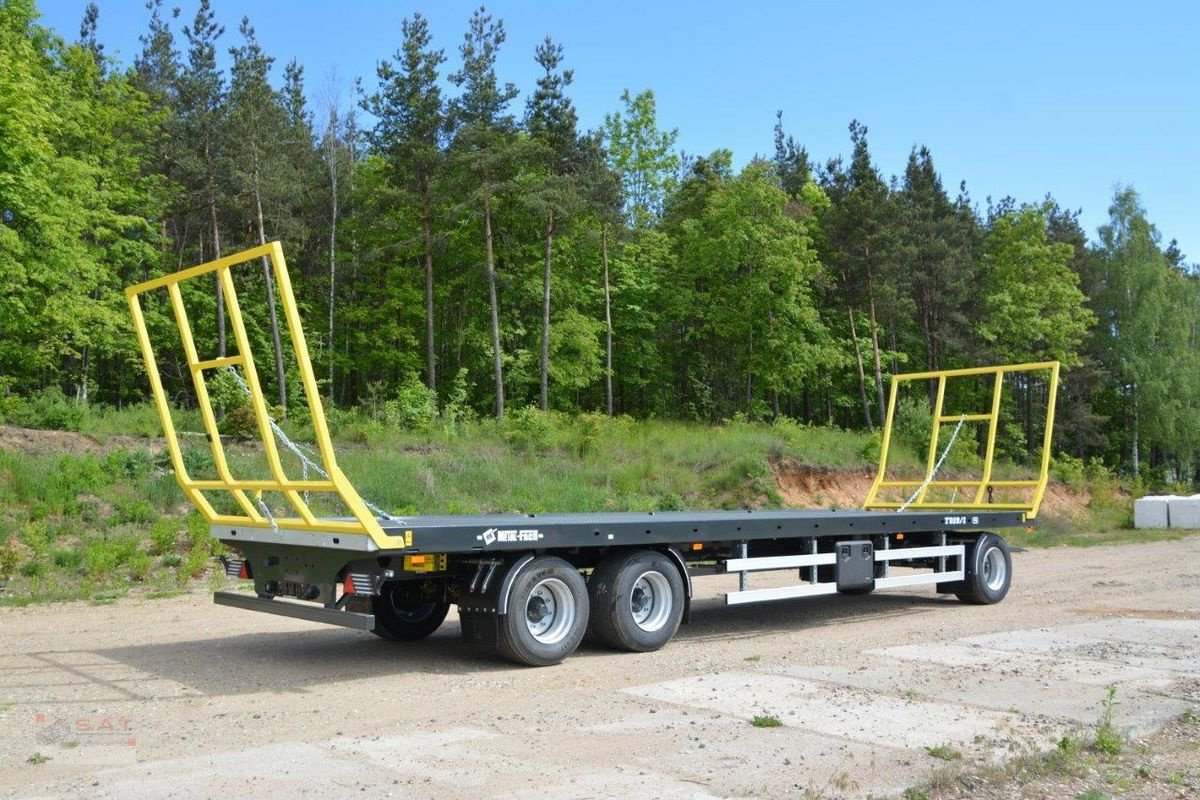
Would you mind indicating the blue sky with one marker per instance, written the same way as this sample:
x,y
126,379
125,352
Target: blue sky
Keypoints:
x,y
1016,98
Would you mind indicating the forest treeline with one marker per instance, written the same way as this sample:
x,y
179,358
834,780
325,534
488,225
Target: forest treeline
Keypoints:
x,y
441,232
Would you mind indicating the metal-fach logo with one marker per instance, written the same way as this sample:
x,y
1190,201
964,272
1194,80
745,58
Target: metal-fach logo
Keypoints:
x,y
509,535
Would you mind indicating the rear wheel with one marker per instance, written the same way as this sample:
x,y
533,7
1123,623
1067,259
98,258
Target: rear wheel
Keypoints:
x,y
546,614
989,571
406,611
637,600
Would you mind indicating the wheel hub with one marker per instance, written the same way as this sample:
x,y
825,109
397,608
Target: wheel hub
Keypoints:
x,y
549,611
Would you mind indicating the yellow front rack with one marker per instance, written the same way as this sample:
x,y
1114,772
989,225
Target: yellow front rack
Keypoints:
x,y
247,493
982,486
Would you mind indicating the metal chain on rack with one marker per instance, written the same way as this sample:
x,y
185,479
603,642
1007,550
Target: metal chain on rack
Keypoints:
x,y
936,467
298,450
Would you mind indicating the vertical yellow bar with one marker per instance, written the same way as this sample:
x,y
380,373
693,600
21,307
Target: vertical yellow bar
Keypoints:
x,y
320,428
202,400
885,443
257,402
931,461
1047,439
164,410
993,424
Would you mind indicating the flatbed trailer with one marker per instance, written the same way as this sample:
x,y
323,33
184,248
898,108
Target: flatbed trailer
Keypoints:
x,y
530,586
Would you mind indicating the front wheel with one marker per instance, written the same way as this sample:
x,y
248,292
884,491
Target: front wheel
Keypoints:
x,y
637,600
406,611
546,614
989,571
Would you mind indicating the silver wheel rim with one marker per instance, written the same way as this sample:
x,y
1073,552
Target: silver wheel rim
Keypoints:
x,y
650,601
550,611
995,570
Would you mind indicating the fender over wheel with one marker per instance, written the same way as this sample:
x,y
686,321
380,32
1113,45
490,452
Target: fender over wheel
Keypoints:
x,y
637,600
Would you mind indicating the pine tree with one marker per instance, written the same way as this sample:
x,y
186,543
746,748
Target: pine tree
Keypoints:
x,y
256,128
485,147
410,119
552,122
201,92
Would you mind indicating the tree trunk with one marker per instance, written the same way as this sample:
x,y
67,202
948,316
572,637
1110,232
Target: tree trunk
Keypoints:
x,y
545,371
1137,456
862,375
280,374
216,238
878,366
333,221
608,329
427,243
497,363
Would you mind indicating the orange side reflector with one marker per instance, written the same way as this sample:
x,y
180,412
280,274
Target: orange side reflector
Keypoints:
x,y
899,537
697,546
416,561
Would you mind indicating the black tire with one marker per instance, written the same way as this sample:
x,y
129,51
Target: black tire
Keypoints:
x,y
546,614
637,601
989,571
405,611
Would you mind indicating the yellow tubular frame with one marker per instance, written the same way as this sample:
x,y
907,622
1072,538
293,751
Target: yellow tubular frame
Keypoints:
x,y
364,523
992,418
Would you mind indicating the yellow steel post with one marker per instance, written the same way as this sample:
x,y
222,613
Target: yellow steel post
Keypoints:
x,y
993,424
205,405
885,442
164,409
1047,438
933,436
312,393
257,402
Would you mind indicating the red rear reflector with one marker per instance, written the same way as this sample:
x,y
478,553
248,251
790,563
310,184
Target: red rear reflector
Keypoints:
x,y
244,572
348,586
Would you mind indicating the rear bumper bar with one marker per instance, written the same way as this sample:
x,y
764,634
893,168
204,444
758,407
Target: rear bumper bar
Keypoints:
x,y
285,608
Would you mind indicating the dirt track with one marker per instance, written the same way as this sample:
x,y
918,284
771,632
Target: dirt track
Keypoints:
x,y
181,698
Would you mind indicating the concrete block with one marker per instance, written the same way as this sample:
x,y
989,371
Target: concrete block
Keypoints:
x,y
1184,512
1151,512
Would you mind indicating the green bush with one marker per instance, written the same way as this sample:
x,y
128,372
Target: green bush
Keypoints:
x,y
414,407
529,429
103,557
913,423
50,409
134,511
163,536
457,410
1070,470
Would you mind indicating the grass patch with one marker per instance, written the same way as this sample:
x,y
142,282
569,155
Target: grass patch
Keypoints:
x,y
766,721
945,752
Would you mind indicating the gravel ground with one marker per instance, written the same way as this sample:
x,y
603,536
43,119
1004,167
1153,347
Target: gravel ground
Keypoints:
x,y
180,698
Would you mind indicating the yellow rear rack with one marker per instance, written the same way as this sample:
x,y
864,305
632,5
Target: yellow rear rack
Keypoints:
x,y
247,493
974,500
